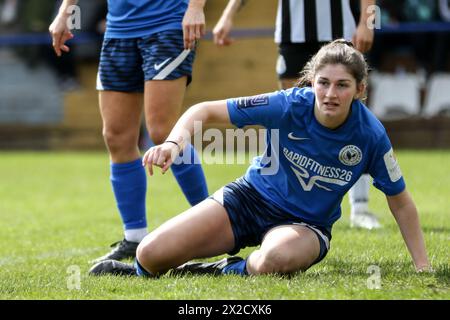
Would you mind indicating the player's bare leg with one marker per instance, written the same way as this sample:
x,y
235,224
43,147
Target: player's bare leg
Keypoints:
x,y
121,114
163,102
200,232
284,250
163,105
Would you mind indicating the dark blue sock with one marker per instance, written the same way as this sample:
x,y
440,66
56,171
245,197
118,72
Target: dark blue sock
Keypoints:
x,y
190,176
239,267
130,186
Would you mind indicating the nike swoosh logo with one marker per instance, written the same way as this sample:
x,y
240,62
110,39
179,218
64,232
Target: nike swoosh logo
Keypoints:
x,y
158,66
292,137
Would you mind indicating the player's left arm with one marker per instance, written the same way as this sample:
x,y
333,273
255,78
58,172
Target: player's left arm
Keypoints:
x,y
193,23
405,213
364,34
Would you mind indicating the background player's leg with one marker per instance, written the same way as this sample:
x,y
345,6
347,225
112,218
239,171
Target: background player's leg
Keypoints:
x,y
163,106
360,216
121,113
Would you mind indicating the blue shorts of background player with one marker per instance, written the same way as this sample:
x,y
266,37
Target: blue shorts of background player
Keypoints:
x,y
125,64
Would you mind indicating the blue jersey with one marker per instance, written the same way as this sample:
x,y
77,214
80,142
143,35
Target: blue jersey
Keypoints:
x,y
139,18
316,165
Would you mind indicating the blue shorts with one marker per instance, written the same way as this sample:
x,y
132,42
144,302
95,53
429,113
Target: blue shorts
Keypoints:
x,y
125,64
252,217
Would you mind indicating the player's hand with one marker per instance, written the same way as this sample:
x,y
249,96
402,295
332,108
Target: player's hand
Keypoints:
x,y
161,156
221,32
60,34
363,38
193,26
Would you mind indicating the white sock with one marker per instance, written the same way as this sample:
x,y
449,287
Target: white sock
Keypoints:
x,y
135,235
359,194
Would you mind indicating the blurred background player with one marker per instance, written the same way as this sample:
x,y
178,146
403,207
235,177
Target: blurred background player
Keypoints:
x,y
146,60
302,27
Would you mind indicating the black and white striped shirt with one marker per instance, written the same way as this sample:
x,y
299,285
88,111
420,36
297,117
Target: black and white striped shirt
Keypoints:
x,y
314,20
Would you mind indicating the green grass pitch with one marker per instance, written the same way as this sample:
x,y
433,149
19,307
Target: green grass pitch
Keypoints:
x,y
57,212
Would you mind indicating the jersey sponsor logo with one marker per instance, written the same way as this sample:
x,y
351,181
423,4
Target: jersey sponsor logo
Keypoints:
x,y
158,66
254,101
350,155
392,166
323,174
302,176
292,137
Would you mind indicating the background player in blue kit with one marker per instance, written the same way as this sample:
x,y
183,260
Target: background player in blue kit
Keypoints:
x,y
327,139
302,27
148,48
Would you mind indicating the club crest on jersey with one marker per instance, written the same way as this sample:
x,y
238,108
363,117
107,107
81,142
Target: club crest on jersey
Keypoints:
x,y
254,101
350,155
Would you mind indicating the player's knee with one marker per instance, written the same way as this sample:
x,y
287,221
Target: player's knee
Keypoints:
x,y
275,261
117,141
150,254
142,257
145,253
158,133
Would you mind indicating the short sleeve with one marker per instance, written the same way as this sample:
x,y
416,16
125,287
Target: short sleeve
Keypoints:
x,y
265,109
385,169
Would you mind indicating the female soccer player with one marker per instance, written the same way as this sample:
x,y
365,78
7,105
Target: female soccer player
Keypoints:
x,y
299,33
326,140
145,64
